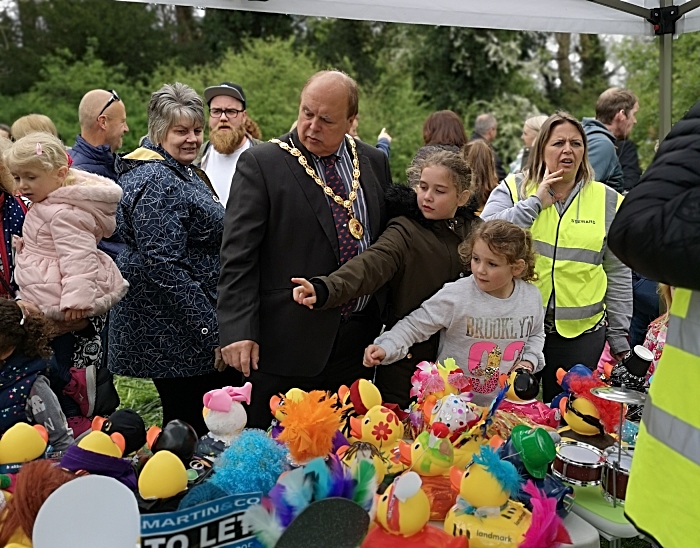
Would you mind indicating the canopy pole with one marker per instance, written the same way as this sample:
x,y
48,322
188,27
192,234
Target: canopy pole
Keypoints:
x,y
665,81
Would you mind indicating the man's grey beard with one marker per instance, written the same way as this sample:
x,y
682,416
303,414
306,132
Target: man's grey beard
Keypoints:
x,y
226,142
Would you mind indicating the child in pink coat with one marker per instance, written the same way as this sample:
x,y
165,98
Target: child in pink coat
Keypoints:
x,y
57,264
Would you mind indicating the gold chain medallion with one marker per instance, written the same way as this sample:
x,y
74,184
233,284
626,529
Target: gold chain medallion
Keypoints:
x,y
354,225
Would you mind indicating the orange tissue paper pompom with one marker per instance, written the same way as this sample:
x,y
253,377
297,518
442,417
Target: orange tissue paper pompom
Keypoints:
x,y
309,425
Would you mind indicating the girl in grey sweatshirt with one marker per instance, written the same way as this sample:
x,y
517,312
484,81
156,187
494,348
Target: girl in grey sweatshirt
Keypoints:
x,y
491,322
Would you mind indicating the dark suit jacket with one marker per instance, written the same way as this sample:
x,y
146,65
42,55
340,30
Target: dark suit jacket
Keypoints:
x,y
279,225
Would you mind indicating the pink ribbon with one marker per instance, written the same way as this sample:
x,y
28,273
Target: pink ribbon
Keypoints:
x,y
221,399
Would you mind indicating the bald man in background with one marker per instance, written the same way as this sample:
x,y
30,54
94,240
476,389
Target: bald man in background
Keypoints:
x,y
102,118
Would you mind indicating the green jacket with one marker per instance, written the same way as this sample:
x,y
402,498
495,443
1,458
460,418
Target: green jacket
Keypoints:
x,y
416,257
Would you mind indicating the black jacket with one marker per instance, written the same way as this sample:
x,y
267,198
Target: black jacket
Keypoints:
x,y
629,162
278,226
657,229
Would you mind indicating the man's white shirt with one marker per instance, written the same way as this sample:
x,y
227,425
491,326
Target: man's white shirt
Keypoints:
x,y
221,167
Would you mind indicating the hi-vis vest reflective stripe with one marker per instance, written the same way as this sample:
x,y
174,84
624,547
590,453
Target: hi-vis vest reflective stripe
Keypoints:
x,y
570,255
663,496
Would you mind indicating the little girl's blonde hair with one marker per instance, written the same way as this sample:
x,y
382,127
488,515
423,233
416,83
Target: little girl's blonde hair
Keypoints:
x,y
38,150
503,238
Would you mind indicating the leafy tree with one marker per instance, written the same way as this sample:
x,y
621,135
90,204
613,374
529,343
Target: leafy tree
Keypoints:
x,y
233,29
133,35
454,67
640,57
63,82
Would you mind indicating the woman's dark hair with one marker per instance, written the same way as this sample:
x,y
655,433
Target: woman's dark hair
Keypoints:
x,y
482,162
30,338
444,127
503,238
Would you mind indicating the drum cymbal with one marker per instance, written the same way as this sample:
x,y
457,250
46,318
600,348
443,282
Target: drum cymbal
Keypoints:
x,y
619,395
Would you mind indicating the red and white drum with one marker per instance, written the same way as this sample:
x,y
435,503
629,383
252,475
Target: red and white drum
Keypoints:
x,y
616,474
578,463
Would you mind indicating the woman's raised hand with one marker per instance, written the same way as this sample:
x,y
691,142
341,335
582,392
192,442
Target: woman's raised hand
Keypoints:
x,y
304,293
545,192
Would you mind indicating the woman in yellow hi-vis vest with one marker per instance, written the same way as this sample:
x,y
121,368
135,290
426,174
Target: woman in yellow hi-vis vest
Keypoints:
x,y
586,290
657,232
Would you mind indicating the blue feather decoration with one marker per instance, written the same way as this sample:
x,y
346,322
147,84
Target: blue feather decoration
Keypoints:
x,y
320,478
494,407
299,489
285,512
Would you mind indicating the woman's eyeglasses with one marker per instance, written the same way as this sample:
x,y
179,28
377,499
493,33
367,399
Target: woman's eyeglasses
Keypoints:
x,y
113,99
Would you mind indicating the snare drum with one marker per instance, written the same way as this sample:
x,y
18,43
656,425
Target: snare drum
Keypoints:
x,y
615,478
578,463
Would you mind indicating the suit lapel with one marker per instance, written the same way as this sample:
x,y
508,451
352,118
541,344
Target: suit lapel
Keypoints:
x,y
369,188
314,194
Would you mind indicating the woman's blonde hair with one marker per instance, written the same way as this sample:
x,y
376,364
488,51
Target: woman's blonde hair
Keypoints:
x,y
535,122
536,166
7,183
38,151
482,162
506,239
32,123
453,162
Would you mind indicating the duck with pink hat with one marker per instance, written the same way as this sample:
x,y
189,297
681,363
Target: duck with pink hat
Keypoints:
x,y
225,418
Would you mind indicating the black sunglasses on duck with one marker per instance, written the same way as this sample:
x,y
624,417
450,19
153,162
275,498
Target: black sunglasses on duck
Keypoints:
x,y
113,99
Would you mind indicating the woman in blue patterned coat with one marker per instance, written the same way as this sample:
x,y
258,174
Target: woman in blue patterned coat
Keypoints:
x,y
172,222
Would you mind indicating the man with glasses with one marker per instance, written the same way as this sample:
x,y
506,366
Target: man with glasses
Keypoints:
x,y
227,135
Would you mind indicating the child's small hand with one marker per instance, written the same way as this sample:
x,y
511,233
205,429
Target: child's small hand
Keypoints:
x,y
524,365
305,293
373,355
75,314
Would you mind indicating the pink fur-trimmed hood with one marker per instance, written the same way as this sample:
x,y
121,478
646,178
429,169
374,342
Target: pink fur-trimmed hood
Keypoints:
x,y
93,193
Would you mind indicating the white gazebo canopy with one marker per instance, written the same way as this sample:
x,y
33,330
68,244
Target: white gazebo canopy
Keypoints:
x,y
630,17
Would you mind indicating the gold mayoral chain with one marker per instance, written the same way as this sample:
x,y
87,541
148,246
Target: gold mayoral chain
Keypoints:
x,y
354,225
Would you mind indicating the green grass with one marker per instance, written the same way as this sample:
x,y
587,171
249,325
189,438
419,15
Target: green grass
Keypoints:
x,y
141,396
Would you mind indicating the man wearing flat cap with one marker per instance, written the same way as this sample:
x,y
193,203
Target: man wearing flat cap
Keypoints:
x,y
227,136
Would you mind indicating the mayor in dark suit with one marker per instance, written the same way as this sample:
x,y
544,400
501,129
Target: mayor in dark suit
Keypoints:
x,y
300,206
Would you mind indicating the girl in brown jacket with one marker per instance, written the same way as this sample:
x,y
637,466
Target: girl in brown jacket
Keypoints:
x,y
416,254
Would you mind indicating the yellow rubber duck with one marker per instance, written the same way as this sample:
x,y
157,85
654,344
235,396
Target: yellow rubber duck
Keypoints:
x,y
356,401
380,427
162,477
358,451
431,453
404,508
99,442
277,402
23,443
484,511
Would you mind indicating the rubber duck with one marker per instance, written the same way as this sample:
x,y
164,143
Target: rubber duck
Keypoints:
x,y
484,490
520,399
589,419
456,411
103,444
223,411
356,400
438,380
381,428
352,454
164,476
277,402
23,443
431,454
402,513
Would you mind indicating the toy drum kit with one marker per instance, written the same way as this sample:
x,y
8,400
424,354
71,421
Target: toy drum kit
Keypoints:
x,y
578,463
583,465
